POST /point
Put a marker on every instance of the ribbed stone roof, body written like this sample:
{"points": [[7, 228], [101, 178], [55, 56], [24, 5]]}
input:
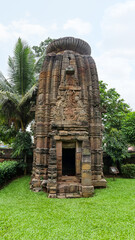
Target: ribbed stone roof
{"points": [[69, 43]]}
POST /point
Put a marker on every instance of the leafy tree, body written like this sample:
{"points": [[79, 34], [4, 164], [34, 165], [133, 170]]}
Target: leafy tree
{"points": [[115, 145], [39, 53], [114, 111], [22, 146], [128, 127], [7, 134], [114, 108]]}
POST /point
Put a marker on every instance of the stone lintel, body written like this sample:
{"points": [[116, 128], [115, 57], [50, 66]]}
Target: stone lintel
{"points": [[57, 138], [70, 138], [73, 133], [82, 138], [67, 126]]}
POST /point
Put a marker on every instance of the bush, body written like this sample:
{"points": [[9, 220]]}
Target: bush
{"points": [[128, 170], [10, 169]]}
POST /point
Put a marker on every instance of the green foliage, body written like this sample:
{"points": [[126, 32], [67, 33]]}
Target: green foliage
{"points": [[115, 107], [109, 215], [114, 111], [7, 134], [22, 144], [115, 145], [21, 68], [128, 127], [128, 170], [9, 169], [18, 94], [40, 52]]}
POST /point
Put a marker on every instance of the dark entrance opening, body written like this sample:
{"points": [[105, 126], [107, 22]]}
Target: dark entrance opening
{"points": [[68, 161]]}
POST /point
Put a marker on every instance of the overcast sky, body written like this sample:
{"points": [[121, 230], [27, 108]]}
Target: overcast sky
{"points": [[107, 25]]}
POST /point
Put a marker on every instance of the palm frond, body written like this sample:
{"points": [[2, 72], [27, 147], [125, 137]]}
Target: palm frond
{"points": [[6, 96], [21, 67], [29, 96], [18, 95], [4, 84]]}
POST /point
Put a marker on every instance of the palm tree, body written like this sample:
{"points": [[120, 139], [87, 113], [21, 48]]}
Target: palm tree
{"points": [[17, 94], [19, 91]]}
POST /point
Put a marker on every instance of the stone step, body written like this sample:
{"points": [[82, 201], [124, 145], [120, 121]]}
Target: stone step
{"points": [[69, 188], [69, 195], [68, 179]]}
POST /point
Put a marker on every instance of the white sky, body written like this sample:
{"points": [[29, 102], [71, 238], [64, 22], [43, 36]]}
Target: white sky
{"points": [[107, 25]]}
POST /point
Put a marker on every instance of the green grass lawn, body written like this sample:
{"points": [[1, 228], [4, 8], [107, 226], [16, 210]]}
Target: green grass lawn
{"points": [[110, 214]]}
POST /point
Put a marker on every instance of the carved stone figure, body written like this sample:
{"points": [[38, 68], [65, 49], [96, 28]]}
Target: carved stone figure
{"points": [[68, 129]]}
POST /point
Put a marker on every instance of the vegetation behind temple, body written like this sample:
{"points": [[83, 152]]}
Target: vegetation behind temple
{"points": [[10, 169], [115, 110]]}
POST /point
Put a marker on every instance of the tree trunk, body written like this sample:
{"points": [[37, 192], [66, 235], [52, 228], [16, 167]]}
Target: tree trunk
{"points": [[25, 161]]}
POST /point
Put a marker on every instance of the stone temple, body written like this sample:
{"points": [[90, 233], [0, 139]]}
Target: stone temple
{"points": [[68, 130]]}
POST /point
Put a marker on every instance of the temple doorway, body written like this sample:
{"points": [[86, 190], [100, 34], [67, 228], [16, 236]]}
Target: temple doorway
{"points": [[68, 161]]}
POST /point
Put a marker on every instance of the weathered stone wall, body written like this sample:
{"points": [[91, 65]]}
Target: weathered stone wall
{"points": [[68, 110]]}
